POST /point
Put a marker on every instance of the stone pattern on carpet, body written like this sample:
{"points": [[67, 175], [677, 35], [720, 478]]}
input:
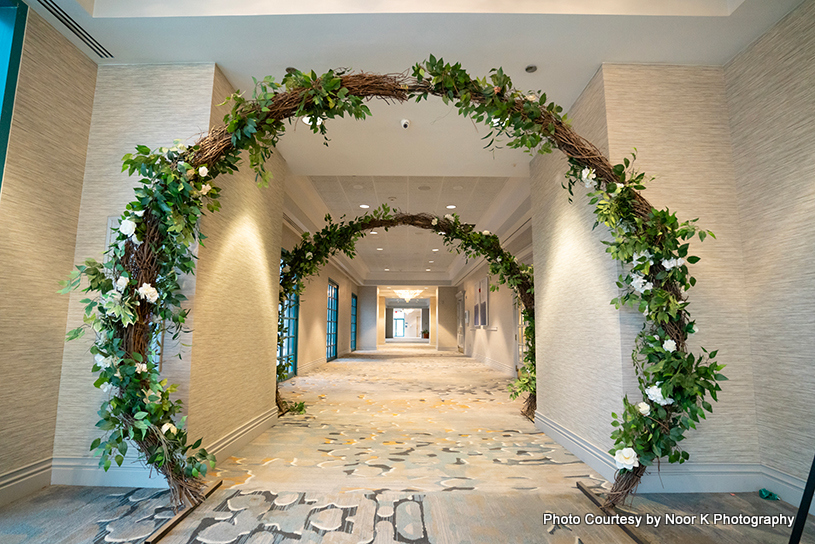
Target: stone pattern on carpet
{"points": [[404, 420]]}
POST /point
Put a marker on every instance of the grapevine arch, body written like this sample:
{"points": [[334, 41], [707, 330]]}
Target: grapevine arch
{"points": [[139, 285]]}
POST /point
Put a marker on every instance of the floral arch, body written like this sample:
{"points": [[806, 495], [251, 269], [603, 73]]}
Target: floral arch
{"points": [[138, 287]]}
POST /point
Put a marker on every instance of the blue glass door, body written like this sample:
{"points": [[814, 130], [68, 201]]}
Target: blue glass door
{"points": [[331, 321]]}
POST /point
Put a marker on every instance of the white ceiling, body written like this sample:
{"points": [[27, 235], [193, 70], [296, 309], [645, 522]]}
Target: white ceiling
{"points": [[185, 8], [567, 48], [568, 40], [408, 251]]}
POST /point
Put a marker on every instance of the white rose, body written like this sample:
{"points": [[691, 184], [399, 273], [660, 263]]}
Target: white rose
{"points": [[655, 395], [640, 284], [499, 259], [203, 172], [121, 283], [668, 264], [531, 97], [485, 232], [127, 227], [168, 427], [626, 458], [141, 367], [448, 217], [644, 408], [669, 345], [643, 256], [139, 213], [588, 177], [435, 221], [206, 188], [106, 387], [102, 362], [147, 291], [309, 255]]}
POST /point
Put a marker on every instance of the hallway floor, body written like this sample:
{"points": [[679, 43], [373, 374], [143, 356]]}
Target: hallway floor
{"points": [[402, 445]]}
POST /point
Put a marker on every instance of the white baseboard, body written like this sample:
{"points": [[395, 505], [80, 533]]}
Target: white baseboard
{"points": [[16, 484], [86, 471], [310, 365], [132, 473], [227, 445], [503, 368], [684, 478]]}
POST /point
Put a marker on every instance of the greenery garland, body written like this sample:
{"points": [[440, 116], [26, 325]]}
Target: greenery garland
{"points": [[140, 296]]}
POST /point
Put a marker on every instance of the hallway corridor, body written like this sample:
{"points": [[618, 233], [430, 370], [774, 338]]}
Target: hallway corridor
{"points": [[404, 444]]}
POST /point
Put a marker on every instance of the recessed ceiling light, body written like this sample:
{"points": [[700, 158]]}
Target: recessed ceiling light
{"points": [[307, 120], [427, 270], [435, 250], [424, 187], [451, 207], [531, 69], [358, 186], [388, 270], [431, 261], [364, 206], [374, 232], [391, 199], [379, 249]]}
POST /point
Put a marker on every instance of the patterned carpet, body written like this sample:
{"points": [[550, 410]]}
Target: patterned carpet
{"points": [[400, 445]]}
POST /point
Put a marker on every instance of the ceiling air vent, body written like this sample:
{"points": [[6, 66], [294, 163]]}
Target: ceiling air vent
{"points": [[74, 27]]}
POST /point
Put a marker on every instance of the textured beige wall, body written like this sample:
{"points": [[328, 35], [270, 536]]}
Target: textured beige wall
{"points": [[39, 209], [232, 376], [149, 105], [771, 99], [380, 321], [312, 313], [579, 360], [313, 307], [366, 338], [677, 118], [494, 345], [447, 326]]}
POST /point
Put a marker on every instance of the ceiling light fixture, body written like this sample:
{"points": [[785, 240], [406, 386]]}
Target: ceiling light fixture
{"points": [[431, 261], [387, 270], [374, 232], [451, 207], [427, 270], [379, 249], [408, 294], [435, 250], [364, 206], [531, 69]]}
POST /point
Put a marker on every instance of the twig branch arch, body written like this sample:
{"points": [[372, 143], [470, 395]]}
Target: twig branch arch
{"points": [[139, 286]]}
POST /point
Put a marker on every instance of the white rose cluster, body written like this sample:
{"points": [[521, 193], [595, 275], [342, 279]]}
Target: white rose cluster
{"points": [[626, 458], [640, 284], [435, 221], [102, 361], [485, 232], [655, 395], [670, 264], [588, 177], [141, 367], [148, 292], [669, 345], [448, 217], [643, 257]]}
